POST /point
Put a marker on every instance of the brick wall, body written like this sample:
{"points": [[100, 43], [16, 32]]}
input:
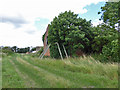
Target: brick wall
{"points": [[45, 43]]}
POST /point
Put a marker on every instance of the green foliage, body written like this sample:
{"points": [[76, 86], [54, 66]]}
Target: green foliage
{"points": [[71, 31], [110, 13], [23, 50], [33, 49], [106, 42], [97, 57], [54, 53], [14, 48], [110, 51], [103, 35], [43, 37], [106, 34], [7, 51]]}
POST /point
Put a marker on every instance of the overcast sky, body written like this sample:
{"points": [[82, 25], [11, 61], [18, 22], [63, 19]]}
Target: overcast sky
{"points": [[23, 22]]}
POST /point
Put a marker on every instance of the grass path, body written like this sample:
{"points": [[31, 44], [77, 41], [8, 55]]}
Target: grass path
{"points": [[73, 74], [10, 78], [53, 79], [27, 72], [28, 81]]}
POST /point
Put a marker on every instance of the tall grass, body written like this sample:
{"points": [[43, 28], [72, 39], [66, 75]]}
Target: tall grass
{"points": [[85, 65], [0, 68], [0, 73], [68, 73]]}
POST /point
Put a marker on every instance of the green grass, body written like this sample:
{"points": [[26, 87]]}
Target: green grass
{"points": [[0, 73], [10, 78], [25, 71]]}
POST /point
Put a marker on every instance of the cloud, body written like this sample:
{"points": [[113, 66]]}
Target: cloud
{"points": [[31, 17], [43, 8], [97, 22], [16, 21], [30, 31], [19, 36]]}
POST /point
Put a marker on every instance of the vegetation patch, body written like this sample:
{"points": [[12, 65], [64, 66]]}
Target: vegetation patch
{"points": [[50, 73]]}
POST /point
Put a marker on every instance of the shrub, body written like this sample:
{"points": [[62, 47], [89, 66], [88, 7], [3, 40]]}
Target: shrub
{"points": [[110, 51], [7, 51]]}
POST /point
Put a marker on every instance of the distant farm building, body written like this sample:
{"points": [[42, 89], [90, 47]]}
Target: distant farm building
{"points": [[38, 48]]}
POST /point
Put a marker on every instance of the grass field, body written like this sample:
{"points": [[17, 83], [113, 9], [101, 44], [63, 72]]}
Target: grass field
{"points": [[23, 71], [0, 69], [0, 72]]}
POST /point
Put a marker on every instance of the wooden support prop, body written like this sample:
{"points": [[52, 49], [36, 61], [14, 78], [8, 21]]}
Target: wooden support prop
{"points": [[45, 51], [59, 50], [41, 54], [65, 51]]}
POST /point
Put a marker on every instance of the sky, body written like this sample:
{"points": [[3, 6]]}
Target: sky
{"points": [[23, 22]]}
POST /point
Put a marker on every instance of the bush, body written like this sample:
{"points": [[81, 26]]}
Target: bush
{"points": [[110, 51], [7, 51]]}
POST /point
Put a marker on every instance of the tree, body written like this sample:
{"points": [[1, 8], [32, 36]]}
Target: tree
{"points": [[14, 48], [23, 50], [107, 34], [103, 35], [7, 50], [33, 49], [71, 31], [110, 13], [110, 51]]}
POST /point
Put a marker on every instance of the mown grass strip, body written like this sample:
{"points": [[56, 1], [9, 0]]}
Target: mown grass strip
{"points": [[96, 80], [53, 80], [10, 78], [53, 73], [27, 81], [33, 74]]}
